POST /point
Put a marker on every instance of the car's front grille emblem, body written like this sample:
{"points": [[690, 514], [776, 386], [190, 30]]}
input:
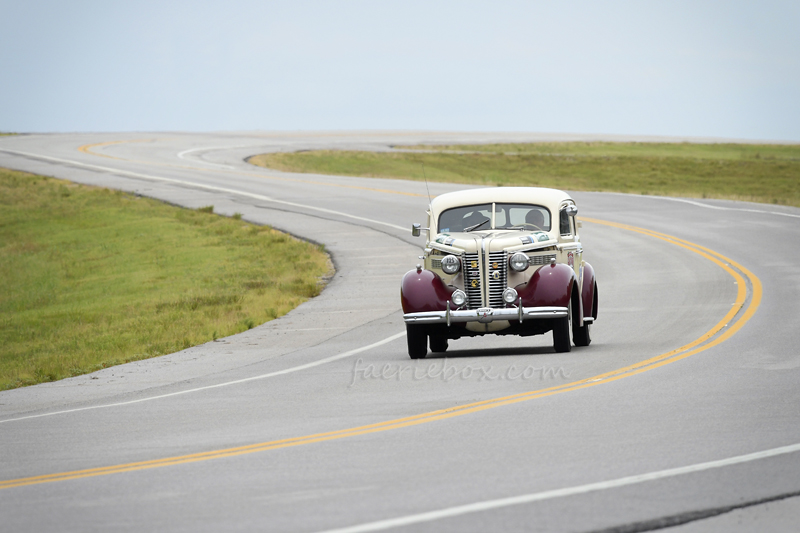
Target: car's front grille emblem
{"points": [[497, 275], [472, 281], [497, 278]]}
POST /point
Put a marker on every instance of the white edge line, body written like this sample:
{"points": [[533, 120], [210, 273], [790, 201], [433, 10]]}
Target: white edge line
{"points": [[190, 150], [209, 148], [718, 207], [206, 187], [459, 510], [225, 384], [217, 165]]}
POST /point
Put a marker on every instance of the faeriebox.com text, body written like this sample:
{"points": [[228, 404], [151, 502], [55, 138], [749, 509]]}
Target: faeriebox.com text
{"points": [[442, 371]]}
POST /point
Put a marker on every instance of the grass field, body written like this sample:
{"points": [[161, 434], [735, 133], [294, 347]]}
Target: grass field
{"points": [[757, 173], [94, 278]]}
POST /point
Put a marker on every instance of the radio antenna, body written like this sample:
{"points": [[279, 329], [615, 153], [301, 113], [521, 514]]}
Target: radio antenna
{"points": [[426, 184]]}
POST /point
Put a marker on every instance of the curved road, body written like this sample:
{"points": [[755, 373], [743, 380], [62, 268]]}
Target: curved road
{"points": [[683, 412]]}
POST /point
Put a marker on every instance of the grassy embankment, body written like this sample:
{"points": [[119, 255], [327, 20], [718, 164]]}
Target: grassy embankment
{"points": [[93, 278], [757, 173]]}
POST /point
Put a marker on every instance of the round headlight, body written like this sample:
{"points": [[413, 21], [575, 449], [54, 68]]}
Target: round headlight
{"points": [[459, 297], [451, 264], [518, 262], [509, 296]]}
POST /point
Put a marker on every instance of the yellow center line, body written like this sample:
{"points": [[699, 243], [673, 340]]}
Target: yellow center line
{"points": [[87, 148], [713, 337]]}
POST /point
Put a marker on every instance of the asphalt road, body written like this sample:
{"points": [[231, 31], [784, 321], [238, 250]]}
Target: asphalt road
{"points": [[684, 409]]}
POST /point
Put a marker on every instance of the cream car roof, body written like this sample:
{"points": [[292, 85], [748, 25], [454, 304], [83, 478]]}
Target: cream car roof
{"points": [[550, 198]]}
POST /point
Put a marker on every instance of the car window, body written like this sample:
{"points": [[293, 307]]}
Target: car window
{"points": [[458, 218], [566, 228], [524, 216]]}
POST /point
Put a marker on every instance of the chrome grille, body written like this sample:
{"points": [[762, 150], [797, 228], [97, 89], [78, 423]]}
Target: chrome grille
{"points": [[541, 259], [472, 280], [498, 272], [436, 263]]}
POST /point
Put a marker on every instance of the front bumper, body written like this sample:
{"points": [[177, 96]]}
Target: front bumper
{"points": [[484, 315]]}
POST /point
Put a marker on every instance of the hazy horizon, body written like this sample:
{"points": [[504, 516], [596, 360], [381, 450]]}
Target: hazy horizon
{"points": [[681, 69]]}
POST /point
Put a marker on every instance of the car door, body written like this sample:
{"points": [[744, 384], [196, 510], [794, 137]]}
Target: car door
{"points": [[569, 246]]}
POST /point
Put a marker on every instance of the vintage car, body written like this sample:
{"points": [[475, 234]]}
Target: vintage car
{"points": [[505, 260]]}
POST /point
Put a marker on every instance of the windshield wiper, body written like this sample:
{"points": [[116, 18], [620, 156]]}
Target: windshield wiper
{"points": [[476, 226], [526, 226]]}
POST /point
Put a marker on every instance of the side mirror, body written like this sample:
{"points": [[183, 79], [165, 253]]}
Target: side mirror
{"points": [[571, 210], [415, 230]]}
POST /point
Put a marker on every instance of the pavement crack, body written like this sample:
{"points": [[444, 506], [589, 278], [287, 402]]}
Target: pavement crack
{"points": [[690, 516]]}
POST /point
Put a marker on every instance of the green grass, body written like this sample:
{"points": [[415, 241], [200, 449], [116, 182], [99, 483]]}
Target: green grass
{"points": [[94, 278], [616, 149], [758, 173]]}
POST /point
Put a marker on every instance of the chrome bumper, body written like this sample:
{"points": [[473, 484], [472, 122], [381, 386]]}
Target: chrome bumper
{"points": [[484, 315]]}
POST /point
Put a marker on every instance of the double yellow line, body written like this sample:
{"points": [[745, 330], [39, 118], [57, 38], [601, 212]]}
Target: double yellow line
{"points": [[741, 311], [87, 148]]}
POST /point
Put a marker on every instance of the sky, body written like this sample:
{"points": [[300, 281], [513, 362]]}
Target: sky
{"points": [[679, 68]]}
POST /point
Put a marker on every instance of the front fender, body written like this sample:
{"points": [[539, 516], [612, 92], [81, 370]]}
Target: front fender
{"points": [[550, 286], [423, 290]]}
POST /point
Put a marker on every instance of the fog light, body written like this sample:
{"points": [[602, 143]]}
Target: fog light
{"points": [[509, 296], [518, 262], [459, 297], [451, 264]]}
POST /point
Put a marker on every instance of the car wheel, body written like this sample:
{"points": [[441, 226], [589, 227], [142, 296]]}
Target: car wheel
{"points": [[438, 344], [417, 341], [561, 341], [581, 335]]}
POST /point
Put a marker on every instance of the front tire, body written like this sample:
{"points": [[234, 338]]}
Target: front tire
{"points": [[417, 340], [561, 341], [581, 335], [438, 344]]}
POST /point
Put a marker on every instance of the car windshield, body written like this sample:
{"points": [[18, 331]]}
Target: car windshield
{"points": [[506, 216]]}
